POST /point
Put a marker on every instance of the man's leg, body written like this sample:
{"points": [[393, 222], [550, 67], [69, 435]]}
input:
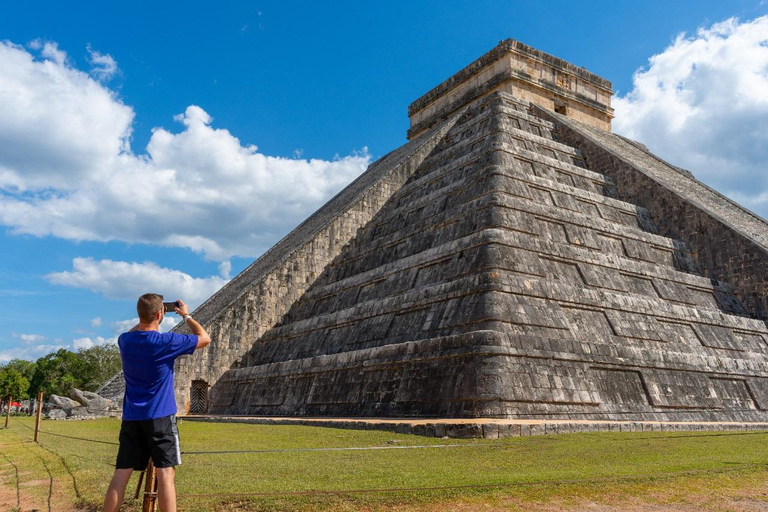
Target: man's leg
{"points": [[166, 489], [116, 490]]}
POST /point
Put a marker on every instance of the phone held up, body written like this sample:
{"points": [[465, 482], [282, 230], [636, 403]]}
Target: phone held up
{"points": [[170, 307]]}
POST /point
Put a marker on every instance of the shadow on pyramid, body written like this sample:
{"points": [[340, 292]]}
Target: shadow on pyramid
{"points": [[514, 260]]}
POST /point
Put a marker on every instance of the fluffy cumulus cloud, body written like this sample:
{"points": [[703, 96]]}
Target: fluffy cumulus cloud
{"points": [[702, 105], [67, 168], [128, 280]]}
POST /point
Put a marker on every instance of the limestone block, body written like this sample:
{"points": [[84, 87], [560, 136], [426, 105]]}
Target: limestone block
{"points": [[67, 404], [94, 403]]}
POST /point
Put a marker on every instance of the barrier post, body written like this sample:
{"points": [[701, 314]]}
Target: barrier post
{"points": [[150, 489], [8, 412], [39, 413], [138, 487]]}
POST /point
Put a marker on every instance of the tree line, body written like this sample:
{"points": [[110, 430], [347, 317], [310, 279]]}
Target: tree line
{"points": [[59, 372]]}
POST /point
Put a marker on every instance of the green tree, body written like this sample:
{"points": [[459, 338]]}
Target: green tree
{"points": [[26, 368], [59, 372], [13, 384], [103, 363]]}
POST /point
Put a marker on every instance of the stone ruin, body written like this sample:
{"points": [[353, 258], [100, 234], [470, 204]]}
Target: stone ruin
{"points": [[515, 259], [82, 405]]}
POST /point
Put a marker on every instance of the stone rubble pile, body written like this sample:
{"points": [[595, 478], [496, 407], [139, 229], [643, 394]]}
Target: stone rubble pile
{"points": [[82, 405]]}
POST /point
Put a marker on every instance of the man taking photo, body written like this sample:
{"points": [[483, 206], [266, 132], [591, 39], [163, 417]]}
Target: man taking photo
{"points": [[149, 408]]}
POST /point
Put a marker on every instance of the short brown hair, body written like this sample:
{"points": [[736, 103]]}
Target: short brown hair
{"points": [[148, 306]]}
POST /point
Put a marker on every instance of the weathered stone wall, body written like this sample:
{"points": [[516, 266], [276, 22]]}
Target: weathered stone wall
{"points": [[257, 298], [729, 242]]}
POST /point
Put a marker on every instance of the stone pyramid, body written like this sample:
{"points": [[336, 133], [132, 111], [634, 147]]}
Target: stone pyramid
{"points": [[514, 260]]}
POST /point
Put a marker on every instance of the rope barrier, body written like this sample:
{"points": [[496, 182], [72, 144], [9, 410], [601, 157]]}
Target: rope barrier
{"points": [[22, 424], [46, 432], [58, 452], [355, 448], [81, 456], [644, 476], [346, 448]]}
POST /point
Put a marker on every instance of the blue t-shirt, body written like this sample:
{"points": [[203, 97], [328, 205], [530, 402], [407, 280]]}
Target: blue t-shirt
{"points": [[148, 358]]}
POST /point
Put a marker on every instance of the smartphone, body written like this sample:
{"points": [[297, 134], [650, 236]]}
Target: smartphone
{"points": [[170, 307]]}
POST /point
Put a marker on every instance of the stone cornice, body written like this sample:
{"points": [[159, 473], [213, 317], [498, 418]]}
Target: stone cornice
{"points": [[508, 46]]}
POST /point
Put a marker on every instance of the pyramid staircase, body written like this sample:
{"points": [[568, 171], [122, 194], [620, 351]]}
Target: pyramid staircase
{"points": [[506, 279]]}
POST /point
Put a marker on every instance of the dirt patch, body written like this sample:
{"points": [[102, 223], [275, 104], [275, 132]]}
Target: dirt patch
{"points": [[34, 483]]}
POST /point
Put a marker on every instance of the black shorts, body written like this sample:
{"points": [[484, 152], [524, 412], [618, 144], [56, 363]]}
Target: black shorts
{"points": [[140, 439]]}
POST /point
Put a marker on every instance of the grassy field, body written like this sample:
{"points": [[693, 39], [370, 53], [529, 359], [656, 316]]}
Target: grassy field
{"points": [[308, 468]]}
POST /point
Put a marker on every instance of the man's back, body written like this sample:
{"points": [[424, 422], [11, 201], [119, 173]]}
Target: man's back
{"points": [[148, 358], [148, 430]]}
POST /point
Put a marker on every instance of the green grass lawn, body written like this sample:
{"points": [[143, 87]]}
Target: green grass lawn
{"points": [[713, 471]]}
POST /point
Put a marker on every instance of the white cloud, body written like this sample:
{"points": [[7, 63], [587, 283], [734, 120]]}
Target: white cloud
{"points": [[122, 326], [702, 105], [103, 66], [225, 267], [96, 322], [67, 168], [169, 322], [87, 342], [29, 339], [30, 353], [50, 50], [125, 280]]}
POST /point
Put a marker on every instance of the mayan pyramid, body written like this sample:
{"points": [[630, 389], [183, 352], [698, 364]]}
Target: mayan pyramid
{"points": [[515, 259]]}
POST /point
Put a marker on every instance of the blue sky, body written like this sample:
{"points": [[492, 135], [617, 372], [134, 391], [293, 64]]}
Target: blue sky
{"points": [[164, 147]]}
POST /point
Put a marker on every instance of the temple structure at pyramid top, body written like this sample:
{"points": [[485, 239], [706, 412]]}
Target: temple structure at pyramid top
{"points": [[525, 73], [514, 259]]}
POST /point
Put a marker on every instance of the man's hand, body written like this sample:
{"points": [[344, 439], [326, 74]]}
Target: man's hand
{"points": [[182, 309], [203, 339]]}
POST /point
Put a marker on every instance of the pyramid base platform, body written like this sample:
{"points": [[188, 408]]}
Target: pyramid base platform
{"points": [[487, 428]]}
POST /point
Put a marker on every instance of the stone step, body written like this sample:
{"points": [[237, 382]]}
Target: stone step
{"points": [[494, 133], [542, 190], [491, 298], [518, 213], [522, 253]]}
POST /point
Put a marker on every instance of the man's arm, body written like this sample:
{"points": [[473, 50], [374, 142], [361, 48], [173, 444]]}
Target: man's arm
{"points": [[203, 339]]}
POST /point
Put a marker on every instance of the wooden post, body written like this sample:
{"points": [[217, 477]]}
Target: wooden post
{"points": [[39, 413], [150, 489], [138, 487], [8, 412]]}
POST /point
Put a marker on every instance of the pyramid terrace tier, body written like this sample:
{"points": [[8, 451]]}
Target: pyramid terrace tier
{"points": [[534, 227], [524, 254], [493, 199], [494, 374], [507, 301], [494, 127]]}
